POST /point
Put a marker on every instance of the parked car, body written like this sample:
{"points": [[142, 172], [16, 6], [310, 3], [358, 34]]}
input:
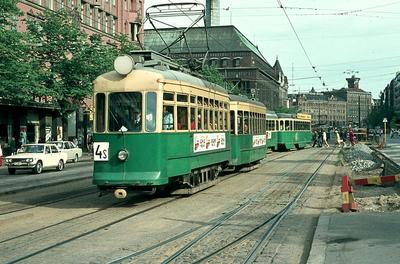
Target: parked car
{"points": [[74, 152], [36, 157]]}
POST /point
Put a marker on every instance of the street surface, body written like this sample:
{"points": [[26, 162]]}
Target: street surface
{"points": [[69, 223]]}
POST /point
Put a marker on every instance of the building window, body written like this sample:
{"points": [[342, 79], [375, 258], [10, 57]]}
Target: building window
{"points": [[224, 62], [106, 24], [236, 62], [214, 62], [90, 16], [99, 22], [134, 31]]}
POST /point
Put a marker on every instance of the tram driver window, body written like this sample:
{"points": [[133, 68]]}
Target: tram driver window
{"points": [[125, 112], [100, 112]]}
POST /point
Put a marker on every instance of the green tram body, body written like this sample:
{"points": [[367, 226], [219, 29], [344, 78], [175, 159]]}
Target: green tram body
{"points": [[167, 153], [248, 138], [271, 130], [288, 131]]}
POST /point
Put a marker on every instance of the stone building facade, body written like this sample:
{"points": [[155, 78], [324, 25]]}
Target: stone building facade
{"points": [[324, 109], [342, 107], [40, 121], [232, 54]]}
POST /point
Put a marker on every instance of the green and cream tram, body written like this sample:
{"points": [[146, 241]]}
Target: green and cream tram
{"points": [[156, 127]]}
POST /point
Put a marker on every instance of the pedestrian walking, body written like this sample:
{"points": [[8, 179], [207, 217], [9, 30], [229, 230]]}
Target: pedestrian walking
{"points": [[352, 137], [13, 146], [315, 138], [339, 141], [324, 138], [320, 138], [1, 155]]}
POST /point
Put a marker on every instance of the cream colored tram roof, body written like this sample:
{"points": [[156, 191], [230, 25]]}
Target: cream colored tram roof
{"points": [[240, 103], [144, 79]]}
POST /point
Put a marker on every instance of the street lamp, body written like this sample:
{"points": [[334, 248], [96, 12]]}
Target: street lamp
{"points": [[384, 130]]}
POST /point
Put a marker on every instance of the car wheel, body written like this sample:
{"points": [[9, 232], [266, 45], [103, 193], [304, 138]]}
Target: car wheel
{"points": [[38, 167], [11, 171], [76, 158], [60, 165]]}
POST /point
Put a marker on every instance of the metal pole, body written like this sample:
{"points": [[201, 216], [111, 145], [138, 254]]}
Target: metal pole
{"points": [[359, 111], [384, 131]]}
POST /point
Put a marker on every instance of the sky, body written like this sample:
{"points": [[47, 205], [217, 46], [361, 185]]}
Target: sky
{"points": [[319, 42]]}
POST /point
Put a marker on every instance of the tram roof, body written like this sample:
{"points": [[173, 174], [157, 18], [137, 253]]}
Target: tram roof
{"points": [[271, 114], [166, 75], [284, 115], [239, 98]]}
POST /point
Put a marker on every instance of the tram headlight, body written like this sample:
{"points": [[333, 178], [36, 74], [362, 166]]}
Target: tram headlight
{"points": [[122, 154], [124, 64]]}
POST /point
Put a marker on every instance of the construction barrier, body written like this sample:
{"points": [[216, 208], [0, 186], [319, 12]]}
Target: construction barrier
{"points": [[377, 180], [349, 203]]}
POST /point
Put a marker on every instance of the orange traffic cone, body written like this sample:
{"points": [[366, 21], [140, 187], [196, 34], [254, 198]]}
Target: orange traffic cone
{"points": [[349, 203]]}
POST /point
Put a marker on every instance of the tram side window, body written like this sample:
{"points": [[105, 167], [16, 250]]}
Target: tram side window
{"points": [[287, 125], [125, 112], [225, 113], [281, 125], [168, 97], [182, 118], [216, 124], [151, 112], [206, 119], [168, 117], [192, 118], [240, 122], [232, 122], [246, 123], [200, 118], [100, 112], [200, 113]]}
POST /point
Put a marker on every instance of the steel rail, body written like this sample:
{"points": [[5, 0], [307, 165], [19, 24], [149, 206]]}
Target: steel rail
{"points": [[215, 222], [37, 252], [275, 219], [67, 197]]}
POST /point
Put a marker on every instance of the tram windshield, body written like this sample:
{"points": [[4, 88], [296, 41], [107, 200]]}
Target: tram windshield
{"points": [[125, 112]]}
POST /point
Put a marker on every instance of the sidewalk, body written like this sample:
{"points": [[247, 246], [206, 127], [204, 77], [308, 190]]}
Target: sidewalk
{"points": [[365, 238], [392, 149]]}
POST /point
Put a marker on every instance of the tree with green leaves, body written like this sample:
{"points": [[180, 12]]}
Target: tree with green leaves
{"points": [[70, 59], [212, 75], [19, 76]]}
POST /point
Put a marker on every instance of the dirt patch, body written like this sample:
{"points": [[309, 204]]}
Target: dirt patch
{"points": [[360, 162]]}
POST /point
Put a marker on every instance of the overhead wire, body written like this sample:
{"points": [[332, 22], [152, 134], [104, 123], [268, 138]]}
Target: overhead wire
{"points": [[301, 44]]}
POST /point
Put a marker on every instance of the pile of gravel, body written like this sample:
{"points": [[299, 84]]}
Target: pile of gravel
{"points": [[360, 158]]}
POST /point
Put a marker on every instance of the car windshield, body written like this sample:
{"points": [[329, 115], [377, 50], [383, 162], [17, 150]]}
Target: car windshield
{"points": [[32, 149], [58, 144]]}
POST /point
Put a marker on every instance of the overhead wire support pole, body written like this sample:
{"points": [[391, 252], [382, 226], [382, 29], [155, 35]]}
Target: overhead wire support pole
{"points": [[301, 44], [182, 9]]}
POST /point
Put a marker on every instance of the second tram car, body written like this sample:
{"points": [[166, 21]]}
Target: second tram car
{"points": [[157, 128], [288, 131]]}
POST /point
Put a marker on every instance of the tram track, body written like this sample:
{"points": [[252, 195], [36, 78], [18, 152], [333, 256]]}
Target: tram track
{"points": [[13, 207], [275, 219], [213, 224], [82, 234], [41, 234]]}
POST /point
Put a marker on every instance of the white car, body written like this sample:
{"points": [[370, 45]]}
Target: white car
{"points": [[74, 153], [36, 157]]}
